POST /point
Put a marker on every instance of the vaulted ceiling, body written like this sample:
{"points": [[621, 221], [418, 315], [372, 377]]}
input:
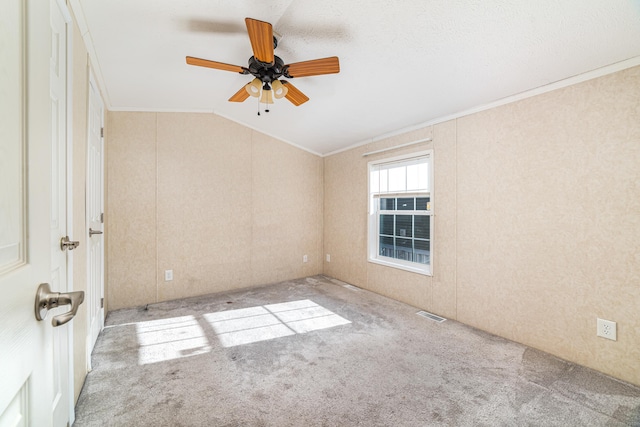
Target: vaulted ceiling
{"points": [[403, 63]]}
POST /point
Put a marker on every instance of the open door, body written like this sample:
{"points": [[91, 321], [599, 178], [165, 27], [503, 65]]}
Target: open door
{"points": [[34, 354]]}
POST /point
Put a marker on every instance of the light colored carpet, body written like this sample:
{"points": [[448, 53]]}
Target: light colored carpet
{"points": [[312, 352]]}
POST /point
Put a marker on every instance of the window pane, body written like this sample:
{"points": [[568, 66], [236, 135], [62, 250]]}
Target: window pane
{"points": [[421, 203], [422, 226], [386, 224], [387, 204], [405, 244], [423, 175], [397, 179], [404, 249], [384, 184], [413, 178], [404, 225], [386, 246], [421, 253], [405, 204]]}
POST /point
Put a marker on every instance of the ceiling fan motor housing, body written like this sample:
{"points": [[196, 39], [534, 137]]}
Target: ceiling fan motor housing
{"points": [[265, 71]]}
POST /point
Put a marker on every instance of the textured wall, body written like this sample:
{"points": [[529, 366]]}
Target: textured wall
{"points": [[131, 227], [222, 206], [548, 224], [537, 230]]}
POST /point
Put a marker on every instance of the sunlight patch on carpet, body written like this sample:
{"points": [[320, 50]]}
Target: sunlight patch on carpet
{"points": [[167, 339], [249, 325]]}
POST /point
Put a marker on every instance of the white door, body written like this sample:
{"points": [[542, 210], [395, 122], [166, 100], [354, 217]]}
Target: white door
{"points": [[95, 218], [33, 355]]}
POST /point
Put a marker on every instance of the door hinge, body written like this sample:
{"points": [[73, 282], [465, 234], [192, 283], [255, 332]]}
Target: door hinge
{"points": [[101, 132], [102, 218], [101, 302]]}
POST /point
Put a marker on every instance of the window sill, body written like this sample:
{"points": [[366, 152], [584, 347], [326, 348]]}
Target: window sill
{"points": [[425, 271]]}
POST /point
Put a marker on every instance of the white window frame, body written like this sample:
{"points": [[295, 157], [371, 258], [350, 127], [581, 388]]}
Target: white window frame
{"points": [[374, 216]]}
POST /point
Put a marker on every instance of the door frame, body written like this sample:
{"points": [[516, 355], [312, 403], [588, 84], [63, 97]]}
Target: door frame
{"points": [[92, 83], [67, 45], [66, 14]]}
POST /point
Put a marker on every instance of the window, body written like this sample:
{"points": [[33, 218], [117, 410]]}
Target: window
{"points": [[400, 212]]}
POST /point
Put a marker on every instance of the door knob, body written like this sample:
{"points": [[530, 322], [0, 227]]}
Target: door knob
{"points": [[92, 232], [46, 300], [65, 244]]}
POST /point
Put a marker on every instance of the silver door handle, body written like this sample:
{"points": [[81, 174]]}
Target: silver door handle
{"points": [[65, 244], [46, 300], [92, 232]]}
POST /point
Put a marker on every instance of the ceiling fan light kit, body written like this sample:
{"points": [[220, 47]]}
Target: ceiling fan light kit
{"points": [[279, 90], [267, 96], [267, 68], [254, 87]]}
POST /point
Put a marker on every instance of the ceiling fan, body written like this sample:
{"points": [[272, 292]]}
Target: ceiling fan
{"points": [[267, 68]]}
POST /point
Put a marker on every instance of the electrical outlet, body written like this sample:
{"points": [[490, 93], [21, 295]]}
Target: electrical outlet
{"points": [[305, 258], [328, 258], [168, 275], [607, 329]]}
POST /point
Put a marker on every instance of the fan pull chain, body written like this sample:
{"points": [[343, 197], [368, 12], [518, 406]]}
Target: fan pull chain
{"points": [[266, 107]]}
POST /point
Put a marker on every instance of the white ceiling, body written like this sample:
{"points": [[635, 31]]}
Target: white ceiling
{"points": [[403, 63]]}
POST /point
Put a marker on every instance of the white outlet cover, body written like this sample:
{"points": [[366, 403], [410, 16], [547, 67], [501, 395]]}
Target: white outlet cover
{"points": [[168, 275], [328, 258], [607, 329], [305, 258]]}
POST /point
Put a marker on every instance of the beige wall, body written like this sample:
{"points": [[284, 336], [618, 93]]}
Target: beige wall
{"points": [[221, 205], [537, 230]]}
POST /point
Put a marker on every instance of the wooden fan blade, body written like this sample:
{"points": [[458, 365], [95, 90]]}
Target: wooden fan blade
{"points": [[294, 95], [261, 36], [240, 95], [213, 64], [314, 67]]}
